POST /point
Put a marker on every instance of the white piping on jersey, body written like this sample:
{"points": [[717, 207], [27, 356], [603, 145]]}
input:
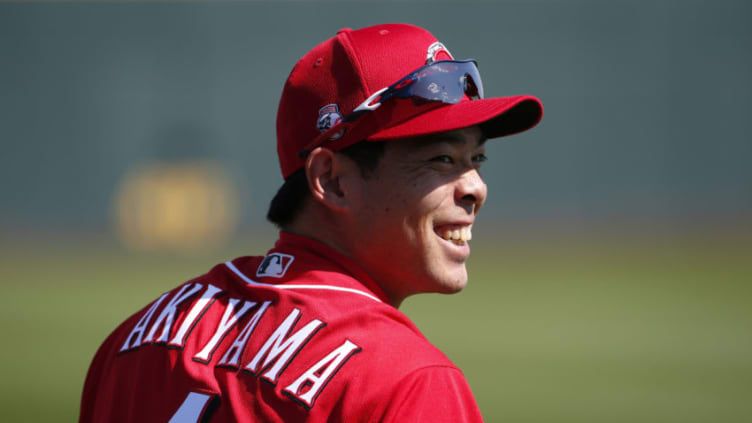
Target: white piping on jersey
{"points": [[269, 285]]}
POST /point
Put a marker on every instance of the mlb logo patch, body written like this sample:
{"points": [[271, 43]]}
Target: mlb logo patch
{"points": [[274, 265]]}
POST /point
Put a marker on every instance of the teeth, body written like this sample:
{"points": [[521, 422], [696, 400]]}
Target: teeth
{"points": [[458, 235]]}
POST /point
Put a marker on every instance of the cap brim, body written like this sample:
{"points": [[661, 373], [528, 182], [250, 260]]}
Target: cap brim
{"points": [[498, 117]]}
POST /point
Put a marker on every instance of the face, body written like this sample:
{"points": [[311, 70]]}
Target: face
{"points": [[412, 217]]}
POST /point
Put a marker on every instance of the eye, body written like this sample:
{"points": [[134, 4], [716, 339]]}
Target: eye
{"points": [[442, 159], [480, 158]]}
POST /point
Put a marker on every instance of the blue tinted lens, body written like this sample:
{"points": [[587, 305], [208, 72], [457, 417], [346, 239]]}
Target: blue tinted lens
{"points": [[444, 81]]}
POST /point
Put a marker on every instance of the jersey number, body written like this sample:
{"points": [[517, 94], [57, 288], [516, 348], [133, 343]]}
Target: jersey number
{"points": [[197, 407]]}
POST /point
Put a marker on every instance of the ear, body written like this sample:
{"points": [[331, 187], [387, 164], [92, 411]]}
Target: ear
{"points": [[326, 172]]}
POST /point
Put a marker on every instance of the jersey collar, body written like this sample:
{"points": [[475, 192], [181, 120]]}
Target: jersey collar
{"points": [[330, 260]]}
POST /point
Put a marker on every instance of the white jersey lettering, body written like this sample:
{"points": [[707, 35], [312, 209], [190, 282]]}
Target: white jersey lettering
{"points": [[283, 351], [203, 303], [167, 316], [140, 328], [229, 319], [233, 354], [308, 386]]}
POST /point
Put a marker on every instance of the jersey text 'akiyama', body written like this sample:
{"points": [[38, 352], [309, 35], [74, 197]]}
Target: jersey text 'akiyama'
{"points": [[268, 362]]}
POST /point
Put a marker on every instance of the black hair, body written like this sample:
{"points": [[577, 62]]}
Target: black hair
{"points": [[290, 197]]}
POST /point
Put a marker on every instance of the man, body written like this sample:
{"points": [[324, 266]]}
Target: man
{"points": [[380, 137]]}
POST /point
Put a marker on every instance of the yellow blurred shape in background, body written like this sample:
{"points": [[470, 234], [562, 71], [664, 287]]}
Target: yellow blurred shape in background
{"points": [[175, 206]]}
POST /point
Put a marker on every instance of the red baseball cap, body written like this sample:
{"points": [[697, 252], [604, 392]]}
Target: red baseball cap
{"points": [[342, 72]]}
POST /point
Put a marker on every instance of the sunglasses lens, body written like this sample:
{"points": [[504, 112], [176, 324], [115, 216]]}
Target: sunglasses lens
{"points": [[473, 90], [446, 82]]}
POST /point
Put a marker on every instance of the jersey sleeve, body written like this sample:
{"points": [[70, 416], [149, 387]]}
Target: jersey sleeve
{"points": [[433, 394]]}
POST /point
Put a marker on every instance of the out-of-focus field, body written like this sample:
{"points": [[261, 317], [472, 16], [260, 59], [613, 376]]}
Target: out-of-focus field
{"points": [[599, 328]]}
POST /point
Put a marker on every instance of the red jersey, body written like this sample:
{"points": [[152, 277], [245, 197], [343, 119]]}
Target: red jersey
{"points": [[302, 334]]}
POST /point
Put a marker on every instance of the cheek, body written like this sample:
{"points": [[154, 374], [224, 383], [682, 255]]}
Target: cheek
{"points": [[419, 208], [382, 212], [407, 207], [438, 199]]}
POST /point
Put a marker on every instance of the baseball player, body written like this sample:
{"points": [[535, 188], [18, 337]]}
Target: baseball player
{"points": [[380, 137]]}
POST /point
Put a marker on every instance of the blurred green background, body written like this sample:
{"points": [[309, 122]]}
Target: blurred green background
{"points": [[610, 276]]}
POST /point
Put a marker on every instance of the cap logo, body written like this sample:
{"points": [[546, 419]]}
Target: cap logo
{"points": [[274, 265], [436, 52], [329, 116]]}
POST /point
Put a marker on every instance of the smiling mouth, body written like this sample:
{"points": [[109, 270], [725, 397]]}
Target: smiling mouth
{"points": [[458, 234]]}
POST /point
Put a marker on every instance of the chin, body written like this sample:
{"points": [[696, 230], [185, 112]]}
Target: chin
{"points": [[451, 282], [457, 287]]}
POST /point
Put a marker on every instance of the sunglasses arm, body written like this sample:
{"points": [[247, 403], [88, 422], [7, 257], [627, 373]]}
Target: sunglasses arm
{"points": [[367, 106]]}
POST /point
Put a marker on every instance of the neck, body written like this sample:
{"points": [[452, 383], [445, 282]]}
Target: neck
{"points": [[318, 225], [331, 231]]}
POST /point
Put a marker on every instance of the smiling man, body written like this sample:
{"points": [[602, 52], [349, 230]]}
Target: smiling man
{"points": [[380, 136], [407, 223]]}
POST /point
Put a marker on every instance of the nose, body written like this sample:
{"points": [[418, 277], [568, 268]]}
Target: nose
{"points": [[471, 191]]}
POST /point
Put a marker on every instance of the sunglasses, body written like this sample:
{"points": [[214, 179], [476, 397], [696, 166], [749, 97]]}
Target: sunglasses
{"points": [[445, 81], [441, 82]]}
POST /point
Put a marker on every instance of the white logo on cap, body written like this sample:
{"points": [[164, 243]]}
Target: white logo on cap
{"points": [[329, 116], [434, 50]]}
